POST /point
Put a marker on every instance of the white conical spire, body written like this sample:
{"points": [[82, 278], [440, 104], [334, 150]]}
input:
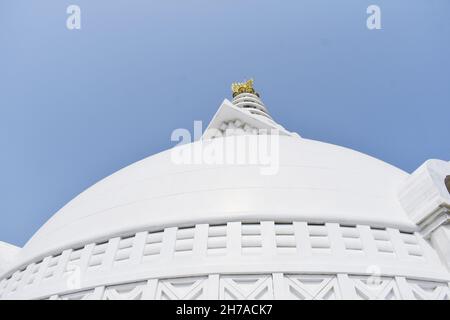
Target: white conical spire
{"points": [[245, 114], [252, 103], [245, 97]]}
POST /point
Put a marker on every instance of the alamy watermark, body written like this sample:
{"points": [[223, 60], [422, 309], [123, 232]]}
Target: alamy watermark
{"points": [[73, 21], [73, 280], [259, 148], [374, 20]]}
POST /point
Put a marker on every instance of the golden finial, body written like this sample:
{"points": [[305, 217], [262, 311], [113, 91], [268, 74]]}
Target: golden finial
{"points": [[243, 87]]}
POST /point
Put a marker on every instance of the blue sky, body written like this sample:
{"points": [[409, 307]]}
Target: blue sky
{"points": [[77, 105]]}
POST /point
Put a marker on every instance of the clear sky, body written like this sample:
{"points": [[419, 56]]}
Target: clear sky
{"points": [[77, 105]]}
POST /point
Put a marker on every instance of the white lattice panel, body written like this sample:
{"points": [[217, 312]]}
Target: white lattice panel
{"points": [[269, 286], [254, 246]]}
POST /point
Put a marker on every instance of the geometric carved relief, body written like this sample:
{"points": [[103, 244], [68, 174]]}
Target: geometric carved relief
{"points": [[263, 286], [182, 288], [427, 290], [312, 287], [129, 291], [376, 288], [243, 287]]}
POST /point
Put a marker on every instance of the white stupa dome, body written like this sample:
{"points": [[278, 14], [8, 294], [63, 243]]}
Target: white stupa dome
{"points": [[8, 254], [320, 222]]}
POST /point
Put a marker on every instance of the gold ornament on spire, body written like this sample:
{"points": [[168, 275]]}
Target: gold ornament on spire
{"points": [[243, 87]]}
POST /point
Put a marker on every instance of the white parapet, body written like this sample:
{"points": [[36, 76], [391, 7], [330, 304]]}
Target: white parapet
{"points": [[425, 196], [440, 240]]}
